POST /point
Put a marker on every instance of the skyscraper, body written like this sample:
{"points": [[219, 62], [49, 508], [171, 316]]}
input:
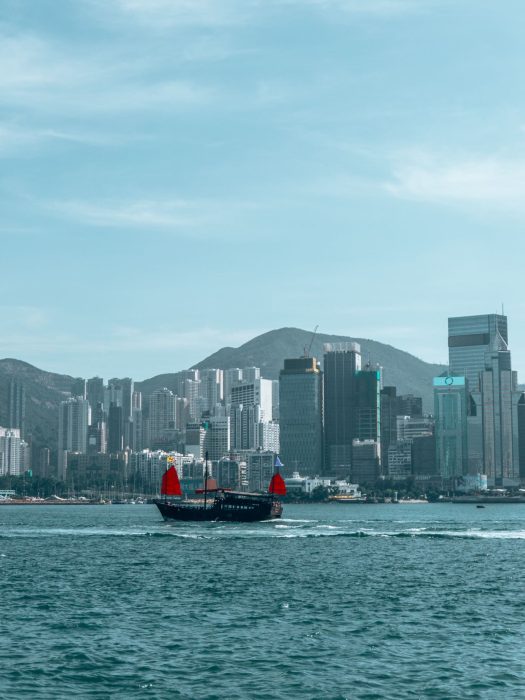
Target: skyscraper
{"points": [[301, 415], [478, 349], [450, 412], [73, 421], [16, 406], [470, 338], [342, 362], [162, 413]]}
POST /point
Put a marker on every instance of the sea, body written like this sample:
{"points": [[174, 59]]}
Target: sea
{"points": [[333, 601]]}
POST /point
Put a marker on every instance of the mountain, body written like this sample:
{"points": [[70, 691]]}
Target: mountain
{"points": [[269, 350], [45, 390]]}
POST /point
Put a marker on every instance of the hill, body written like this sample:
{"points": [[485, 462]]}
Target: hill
{"points": [[45, 390], [268, 351]]}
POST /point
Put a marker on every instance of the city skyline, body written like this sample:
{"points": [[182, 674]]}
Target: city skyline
{"points": [[152, 151]]}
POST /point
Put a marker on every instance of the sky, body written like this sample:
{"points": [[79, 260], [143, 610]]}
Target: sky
{"points": [[181, 175]]}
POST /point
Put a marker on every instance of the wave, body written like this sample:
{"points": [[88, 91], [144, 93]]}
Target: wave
{"points": [[282, 530]]}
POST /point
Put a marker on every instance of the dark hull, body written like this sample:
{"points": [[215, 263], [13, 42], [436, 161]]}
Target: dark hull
{"points": [[243, 511]]}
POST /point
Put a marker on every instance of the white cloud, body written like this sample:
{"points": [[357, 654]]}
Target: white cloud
{"points": [[136, 214], [366, 7], [48, 78], [203, 217], [169, 13], [484, 181]]}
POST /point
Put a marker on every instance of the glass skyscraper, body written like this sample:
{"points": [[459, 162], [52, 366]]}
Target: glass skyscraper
{"points": [[450, 412], [478, 350], [301, 416], [470, 338], [342, 362]]}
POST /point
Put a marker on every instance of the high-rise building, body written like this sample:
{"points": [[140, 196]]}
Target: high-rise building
{"points": [[342, 362], [424, 456], [410, 427], [217, 440], [450, 414], [231, 377], [115, 429], [478, 349], [470, 338], [16, 406], [162, 414], [210, 388], [400, 459], [260, 469], [11, 452], [365, 461], [301, 416], [73, 421], [79, 388], [389, 413], [95, 391], [409, 405], [368, 404], [257, 392]]}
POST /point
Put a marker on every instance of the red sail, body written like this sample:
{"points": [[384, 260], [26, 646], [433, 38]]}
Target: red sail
{"points": [[277, 485], [171, 483]]}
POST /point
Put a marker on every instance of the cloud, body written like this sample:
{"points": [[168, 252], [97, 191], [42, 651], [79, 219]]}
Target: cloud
{"points": [[201, 216], [137, 214], [484, 181], [15, 138], [366, 7], [50, 78], [183, 13]]}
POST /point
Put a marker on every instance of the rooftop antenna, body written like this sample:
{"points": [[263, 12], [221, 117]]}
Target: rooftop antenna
{"points": [[307, 349]]}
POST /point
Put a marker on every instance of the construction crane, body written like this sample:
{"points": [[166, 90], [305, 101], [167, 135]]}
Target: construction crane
{"points": [[307, 349]]}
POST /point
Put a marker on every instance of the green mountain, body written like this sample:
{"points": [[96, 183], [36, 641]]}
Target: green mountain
{"points": [[269, 350], [45, 390]]}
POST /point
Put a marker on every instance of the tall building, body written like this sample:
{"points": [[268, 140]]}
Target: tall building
{"points": [[470, 338], [478, 350], [257, 392], [73, 422], [210, 388], [389, 413], [115, 429], [301, 416], [16, 406], [231, 377], [162, 413], [450, 414], [95, 391], [11, 452], [409, 405], [217, 440], [368, 405], [410, 427], [79, 388], [365, 461], [342, 362]]}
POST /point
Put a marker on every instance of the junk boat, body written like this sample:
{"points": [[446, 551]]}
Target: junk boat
{"points": [[224, 504]]}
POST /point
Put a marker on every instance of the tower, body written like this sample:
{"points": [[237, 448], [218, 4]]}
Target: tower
{"points": [[301, 415]]}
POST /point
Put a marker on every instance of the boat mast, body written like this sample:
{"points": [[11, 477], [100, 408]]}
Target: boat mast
{"points": [[205, 478]]}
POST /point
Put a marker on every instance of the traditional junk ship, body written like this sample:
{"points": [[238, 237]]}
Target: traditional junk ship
{"points": [[219, 504]]}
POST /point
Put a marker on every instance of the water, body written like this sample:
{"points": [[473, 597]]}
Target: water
{"points": [[334, 601]]}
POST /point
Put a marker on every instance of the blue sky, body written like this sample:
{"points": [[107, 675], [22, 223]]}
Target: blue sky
{"points": [[179, 175]]}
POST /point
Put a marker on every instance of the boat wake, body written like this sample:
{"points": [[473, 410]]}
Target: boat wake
{"points": [[286, 528]]}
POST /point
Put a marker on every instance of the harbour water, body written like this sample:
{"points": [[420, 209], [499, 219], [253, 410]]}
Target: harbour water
{"points": [[334, 601]]}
